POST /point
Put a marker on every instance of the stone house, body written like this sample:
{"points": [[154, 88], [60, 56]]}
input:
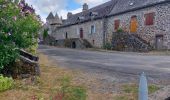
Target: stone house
{"points": [[147, 20]]}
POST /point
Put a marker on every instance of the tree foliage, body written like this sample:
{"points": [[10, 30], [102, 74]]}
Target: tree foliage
{"points": [[18, 30]]}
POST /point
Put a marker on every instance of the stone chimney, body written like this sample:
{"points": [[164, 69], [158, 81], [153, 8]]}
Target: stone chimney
{"points": [[69, 15], [85, 7]]}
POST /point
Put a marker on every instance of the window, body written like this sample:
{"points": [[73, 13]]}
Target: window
{"points": [[92, 29], [66, 35], [78, 31], [93, 42], [117, 24], [149, 18]]}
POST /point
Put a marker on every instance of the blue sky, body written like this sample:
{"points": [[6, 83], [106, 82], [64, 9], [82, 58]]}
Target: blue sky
{"points": [[73, 5], [62, 7]]}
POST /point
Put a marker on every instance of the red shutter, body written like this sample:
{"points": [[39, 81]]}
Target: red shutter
{"points": [[149, 19], [117, 24]]}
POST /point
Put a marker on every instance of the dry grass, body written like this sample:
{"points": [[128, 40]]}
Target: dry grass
{"points": [[45, 87], [130, 91]]}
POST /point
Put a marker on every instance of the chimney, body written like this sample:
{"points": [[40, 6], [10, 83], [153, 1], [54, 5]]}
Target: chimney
{"points": [[85, 7], [69, 15]]}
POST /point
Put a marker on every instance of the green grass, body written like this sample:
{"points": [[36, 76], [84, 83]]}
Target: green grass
{"points": [[153, 88], [76, 93], [72, 92], [130, 91], [134, 88], [120, 98]]}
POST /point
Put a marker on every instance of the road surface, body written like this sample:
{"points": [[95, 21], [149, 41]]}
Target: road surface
{"points": [[121, 66]]}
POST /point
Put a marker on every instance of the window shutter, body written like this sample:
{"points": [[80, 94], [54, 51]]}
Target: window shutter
{"points": [[117, 24], [149, 19]]}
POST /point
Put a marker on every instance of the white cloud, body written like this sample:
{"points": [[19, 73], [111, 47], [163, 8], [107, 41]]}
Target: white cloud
{"points": [[44, 7], [91, 3]]}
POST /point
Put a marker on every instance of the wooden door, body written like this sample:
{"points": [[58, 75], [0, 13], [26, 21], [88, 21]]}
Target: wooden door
{"points": [[159, 42], [81, 32], [133, 24]]}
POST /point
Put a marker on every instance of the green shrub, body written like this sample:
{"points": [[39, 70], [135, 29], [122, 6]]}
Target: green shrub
{"points": [[16, 32], [45, 33], [5, 83], [108, 46], [120, 30]]}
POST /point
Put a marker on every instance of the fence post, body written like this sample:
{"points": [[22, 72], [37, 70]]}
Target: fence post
{"points": [[143, 87]]}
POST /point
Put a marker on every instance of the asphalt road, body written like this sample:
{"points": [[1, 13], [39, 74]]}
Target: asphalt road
{"points": [[120, 65]]}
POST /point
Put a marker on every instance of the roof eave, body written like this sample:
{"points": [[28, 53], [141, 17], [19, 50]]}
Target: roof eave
{"points": [[82, 21]]}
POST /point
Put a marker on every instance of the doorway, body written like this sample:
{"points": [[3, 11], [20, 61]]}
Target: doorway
{"points": [[74, 44], [133, 24], [81, 33], [66, 35], [159, 42]]}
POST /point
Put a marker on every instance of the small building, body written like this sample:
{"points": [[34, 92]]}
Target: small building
{"points": [[146, 20]]}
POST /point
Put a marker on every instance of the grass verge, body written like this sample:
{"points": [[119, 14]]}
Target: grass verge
{"points": [[130, 92], [53, 84]]}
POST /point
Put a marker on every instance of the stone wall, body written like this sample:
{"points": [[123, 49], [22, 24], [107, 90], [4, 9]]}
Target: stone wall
{"points": [[96, 39], [161, 24]]}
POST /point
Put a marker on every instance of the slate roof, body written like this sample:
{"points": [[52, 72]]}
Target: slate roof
{"points": [[56, 16], [101, 11], [110, 8], [57, 19], [50, 16], [123, 6]]}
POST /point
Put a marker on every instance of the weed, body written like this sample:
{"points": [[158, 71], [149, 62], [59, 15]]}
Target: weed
{"points": [[120, 98], [153, 88], [130, 91], [132, 88], [5, 83]]}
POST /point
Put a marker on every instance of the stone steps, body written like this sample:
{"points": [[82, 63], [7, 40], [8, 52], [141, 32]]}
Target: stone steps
{"points": [[129, 42]]}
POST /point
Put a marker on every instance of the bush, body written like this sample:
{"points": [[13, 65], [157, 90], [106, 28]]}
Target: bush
{"points": [[5, 83], [18, 30], [45, 33], [120, 30], [108, 46]]}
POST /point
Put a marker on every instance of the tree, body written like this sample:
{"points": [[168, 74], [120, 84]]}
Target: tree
{"points": [[18, 30]]}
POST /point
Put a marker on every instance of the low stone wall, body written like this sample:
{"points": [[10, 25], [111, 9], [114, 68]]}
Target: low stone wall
{"points": [[73, 43], [25, 68], [122, 41]]}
